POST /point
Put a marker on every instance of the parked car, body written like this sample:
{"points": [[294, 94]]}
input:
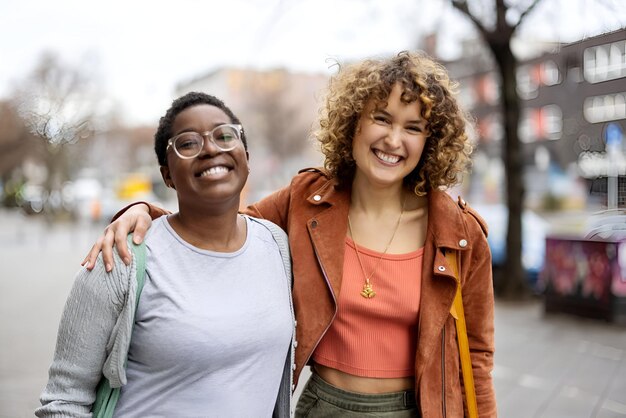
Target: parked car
{"points": [[607, 225], [534, 231]]}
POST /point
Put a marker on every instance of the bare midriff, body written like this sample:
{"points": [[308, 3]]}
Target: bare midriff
{"points": [[360, 384]]}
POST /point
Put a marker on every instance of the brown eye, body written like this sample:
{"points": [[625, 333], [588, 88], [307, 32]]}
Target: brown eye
{"points": [[380, 119], [188, 144], [188, 141]]}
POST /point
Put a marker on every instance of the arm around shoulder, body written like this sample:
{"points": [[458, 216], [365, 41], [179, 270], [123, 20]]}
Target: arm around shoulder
{"points": [[274, 208], [153, 210]]}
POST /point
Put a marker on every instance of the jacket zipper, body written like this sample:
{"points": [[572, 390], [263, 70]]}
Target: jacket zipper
{"points": [[319, 262], [443, 370]]}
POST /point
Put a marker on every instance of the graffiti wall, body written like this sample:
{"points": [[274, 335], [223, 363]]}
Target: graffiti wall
{"points": [[584, 277]]}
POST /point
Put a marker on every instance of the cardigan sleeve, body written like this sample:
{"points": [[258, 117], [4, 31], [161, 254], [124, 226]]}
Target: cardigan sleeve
{"points": [[89, 317]]}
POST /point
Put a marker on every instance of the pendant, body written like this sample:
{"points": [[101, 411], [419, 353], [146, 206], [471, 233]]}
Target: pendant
{"points": [[368, 291]]}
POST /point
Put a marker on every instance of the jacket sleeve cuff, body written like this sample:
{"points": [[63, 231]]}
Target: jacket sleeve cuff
{"points": [[153, 211]]}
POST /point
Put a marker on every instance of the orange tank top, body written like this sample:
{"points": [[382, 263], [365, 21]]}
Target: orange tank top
{"points": [[375, 337]]}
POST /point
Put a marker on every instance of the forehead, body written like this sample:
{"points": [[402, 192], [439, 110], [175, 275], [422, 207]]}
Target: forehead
{"points": [[396, 101], [201, 116]]}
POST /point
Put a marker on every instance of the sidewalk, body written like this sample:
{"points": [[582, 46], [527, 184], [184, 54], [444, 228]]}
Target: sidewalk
{"points": [[553, 366]]}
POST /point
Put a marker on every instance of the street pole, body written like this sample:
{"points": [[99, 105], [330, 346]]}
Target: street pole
{"points": [[613, 137]]}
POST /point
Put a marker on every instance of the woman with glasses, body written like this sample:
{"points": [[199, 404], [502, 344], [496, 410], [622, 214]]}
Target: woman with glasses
{"points": [[369, 236], [213, 329]]}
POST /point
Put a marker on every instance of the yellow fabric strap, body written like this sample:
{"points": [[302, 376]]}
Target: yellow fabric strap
{"points": [[461, 335]]}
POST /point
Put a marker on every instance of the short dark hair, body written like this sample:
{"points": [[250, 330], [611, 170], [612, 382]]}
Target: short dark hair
{"points": [[164, 131]]}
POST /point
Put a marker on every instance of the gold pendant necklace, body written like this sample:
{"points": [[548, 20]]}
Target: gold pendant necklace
{"points": [[368, 289]]}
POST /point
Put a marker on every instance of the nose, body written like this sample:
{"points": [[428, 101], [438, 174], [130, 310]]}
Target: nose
{"points": [[394, 137], [209, 147]]}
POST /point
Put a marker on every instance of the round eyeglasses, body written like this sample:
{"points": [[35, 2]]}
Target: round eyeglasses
{"points": [[189, 144]]}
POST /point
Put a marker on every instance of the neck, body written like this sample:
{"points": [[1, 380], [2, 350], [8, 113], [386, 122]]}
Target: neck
{"points": [[372, 201], [223, 231]]}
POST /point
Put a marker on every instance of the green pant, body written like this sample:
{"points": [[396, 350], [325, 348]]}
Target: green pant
{"points": [[320, 399]]}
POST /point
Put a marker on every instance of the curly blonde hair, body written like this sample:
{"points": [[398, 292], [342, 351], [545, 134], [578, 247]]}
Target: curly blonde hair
{"points": [[447, 150]]}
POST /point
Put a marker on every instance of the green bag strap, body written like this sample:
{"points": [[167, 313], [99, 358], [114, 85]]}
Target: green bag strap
{"points": [[106, 396], [139, 251]]}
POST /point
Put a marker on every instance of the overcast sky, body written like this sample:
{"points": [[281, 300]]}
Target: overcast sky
{"points": [[140, 49]]}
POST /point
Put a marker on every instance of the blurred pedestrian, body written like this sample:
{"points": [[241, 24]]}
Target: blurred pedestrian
{"points": [[369, 233], [212, 332]]}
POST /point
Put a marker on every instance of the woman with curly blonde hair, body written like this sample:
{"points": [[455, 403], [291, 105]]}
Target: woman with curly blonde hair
{"points": [[446, 153], [373, 289]]}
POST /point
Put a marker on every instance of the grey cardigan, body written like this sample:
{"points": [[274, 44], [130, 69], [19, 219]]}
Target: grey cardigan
{"points": [[95, 331]]}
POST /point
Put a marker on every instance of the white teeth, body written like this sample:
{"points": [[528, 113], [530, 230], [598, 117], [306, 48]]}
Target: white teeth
{"points": [[214, 170], [388, 158]]}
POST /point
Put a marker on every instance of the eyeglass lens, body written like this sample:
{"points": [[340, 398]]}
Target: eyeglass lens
{"points": [[189, 144]]}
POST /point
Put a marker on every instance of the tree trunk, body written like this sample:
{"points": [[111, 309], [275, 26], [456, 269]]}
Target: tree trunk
{"points": [[511, 281]]}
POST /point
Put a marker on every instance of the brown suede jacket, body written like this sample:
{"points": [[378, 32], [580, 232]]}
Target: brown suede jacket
{"points": [[314, 214]]}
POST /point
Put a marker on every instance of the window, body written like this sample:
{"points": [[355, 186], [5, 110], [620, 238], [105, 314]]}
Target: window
{"points": [[605, 108], [550, 74], [605, 62], [551, 122], [527, 85], [542, 123]]}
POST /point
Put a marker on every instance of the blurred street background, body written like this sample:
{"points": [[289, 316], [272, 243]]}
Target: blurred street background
{"points": [[82, 87]]}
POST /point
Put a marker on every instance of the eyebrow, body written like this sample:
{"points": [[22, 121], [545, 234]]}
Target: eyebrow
{"points": [[416, 121], [182, 131]]}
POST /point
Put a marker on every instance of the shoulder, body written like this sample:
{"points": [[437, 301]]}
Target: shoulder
{"points": [[116, 280], [279, 237], [303, 184], [471, 216], [311, 178], [271, 227], [457, 212], [103, 290], [316, 171], [316, 186]]}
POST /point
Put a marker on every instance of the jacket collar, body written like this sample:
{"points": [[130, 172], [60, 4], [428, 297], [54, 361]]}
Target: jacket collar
{"points": [[445, 222], [328, 194]]}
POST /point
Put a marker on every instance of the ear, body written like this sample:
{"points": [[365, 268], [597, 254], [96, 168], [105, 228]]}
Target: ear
{"points": [[165, 174]]}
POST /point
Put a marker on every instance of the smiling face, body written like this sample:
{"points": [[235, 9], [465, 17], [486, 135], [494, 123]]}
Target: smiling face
{"points": [[214, 176], [389, 141]]}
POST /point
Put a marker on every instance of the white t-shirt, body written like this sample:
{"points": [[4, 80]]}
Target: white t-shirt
{"points": [[212, 330]]}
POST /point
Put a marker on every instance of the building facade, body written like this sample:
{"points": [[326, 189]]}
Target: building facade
{"points": [[573, 102]]}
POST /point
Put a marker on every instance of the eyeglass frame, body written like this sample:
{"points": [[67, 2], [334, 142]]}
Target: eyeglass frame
{"points": [[204, 135]]}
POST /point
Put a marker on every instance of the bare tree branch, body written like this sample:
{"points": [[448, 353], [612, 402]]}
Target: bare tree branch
{"points": [[463, 7], [526, 13]]}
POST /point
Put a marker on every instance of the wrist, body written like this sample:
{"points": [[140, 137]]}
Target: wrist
{"points": [[147, 209]]}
